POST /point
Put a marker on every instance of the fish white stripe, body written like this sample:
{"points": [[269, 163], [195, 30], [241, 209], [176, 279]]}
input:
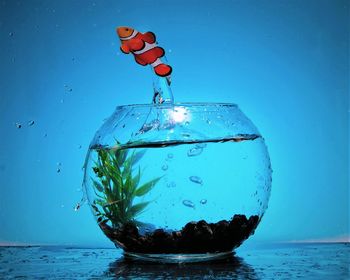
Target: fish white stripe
{"points": [[156, 63], [146, 48], [134, 33]]}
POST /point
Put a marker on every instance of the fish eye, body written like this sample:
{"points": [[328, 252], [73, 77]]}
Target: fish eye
{"points": [[127, 29]]}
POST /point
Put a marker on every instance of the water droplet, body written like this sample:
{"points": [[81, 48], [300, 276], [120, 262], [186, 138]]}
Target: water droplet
{"points": [[188, 203], [18, 125], [67, 88], [77, 207], [80, 204], [196, 180], [30, 123], [203, 201], [170, 155], [194, 152], [171, 185], [165, 167]]}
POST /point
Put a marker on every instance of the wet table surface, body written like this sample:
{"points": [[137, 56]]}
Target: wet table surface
{"points": [[282, 261]]}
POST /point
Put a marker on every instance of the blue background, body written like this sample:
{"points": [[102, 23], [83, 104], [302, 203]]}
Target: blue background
{"points": [[285, 63]]}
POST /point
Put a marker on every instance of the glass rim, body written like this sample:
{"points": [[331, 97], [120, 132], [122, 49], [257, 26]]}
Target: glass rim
{"points": [[183, 104]]}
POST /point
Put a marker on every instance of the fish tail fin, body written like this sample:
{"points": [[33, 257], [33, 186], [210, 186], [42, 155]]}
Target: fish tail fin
{"points": [[163, 70]]}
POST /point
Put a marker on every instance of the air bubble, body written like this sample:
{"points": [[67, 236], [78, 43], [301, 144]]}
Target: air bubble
{"points": [[31, 123], [165, 167], [188, 203], [208, 121], [203, 201], [170, 155], [201, 145], [196, 180], [194, 152], [18, 125], [171, 185]]}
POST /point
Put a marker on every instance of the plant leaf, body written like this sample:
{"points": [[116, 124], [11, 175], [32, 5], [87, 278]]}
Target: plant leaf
{"points": [[145, 188], [120, 156], [136, 180], [137, 208], [97, 185], [100, 202], [138, 156]]}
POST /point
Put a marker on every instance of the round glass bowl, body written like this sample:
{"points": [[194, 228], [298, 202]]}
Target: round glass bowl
{"points": [[178, 183]]}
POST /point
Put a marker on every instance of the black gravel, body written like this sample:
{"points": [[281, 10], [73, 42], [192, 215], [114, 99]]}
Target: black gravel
{"points": [[194, 237]]}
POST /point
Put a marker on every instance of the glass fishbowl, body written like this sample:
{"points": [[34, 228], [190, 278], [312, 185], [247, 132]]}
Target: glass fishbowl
{"points": [[180, 182]]}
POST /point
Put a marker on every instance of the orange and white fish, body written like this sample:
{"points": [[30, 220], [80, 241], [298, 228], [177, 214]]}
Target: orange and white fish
{"points": [[145, 49]]}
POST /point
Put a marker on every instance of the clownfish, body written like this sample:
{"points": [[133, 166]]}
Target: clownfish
{"points": [[145, 50]]}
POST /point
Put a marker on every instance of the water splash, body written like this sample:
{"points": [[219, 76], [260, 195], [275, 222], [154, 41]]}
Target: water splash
{"points": [[162, 92]]}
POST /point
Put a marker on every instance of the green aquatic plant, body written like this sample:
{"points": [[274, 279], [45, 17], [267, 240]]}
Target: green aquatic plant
{"points": [[117, 186]]}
